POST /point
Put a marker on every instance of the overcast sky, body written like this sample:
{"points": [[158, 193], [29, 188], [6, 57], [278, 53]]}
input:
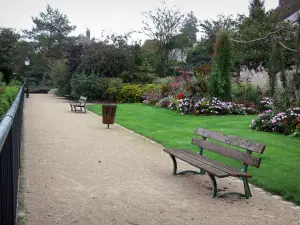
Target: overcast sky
{"points": [[113, 15]]}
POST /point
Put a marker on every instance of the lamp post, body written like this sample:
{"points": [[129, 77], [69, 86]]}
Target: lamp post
{"points": [[27, 63]]}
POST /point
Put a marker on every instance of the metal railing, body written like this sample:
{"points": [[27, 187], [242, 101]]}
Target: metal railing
{"points": [[10, 147]]}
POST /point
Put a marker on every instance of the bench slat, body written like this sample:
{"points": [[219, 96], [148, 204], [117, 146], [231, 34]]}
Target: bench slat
{"points": [[83, 98], [229, 152], [186, 158], [232, 140], [232, 171]]}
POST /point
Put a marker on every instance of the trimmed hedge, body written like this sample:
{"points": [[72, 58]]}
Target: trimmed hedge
{"points": [[7, 97]]}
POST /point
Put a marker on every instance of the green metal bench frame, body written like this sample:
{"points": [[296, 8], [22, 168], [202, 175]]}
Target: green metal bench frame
{"points": [[247, 159]]}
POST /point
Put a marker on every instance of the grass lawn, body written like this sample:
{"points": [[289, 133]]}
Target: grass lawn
{"points": [[280, 167]]}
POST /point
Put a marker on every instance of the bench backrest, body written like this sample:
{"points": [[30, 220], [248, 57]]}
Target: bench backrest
{"points": [[244, 157], [82, 100]]}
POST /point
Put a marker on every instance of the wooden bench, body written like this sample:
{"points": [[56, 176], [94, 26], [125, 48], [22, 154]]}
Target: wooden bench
{"points": [[79, 104], [214, 168]]}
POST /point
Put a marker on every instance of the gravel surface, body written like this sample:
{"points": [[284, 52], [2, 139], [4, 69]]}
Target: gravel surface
{"points": [[79, 172]]}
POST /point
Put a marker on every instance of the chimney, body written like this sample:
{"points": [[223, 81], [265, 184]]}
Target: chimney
{"points": [[88, 33]]}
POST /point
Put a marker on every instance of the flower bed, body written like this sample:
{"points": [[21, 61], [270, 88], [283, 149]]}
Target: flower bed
{"points": [[211, 106], [283, 122]]}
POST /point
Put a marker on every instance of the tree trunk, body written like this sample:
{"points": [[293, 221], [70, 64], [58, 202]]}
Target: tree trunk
{"points": [[166, 62]]}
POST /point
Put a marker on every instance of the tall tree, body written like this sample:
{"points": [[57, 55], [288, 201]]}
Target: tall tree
{"points": [[220, 78], [259, 23], [50, 32], [210, 29], [8, 52], [257, 9], [190, 28], [163, 25]]}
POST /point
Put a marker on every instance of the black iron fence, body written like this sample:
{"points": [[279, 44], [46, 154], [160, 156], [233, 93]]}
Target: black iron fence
{"points": [[10, 147]]}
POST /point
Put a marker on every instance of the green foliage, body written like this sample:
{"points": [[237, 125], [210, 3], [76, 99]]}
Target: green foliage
{"points": [[90, 86], [163, 25], [296, 79], [8, 52], [148, 88], [7, 97], [190, 28], [243, 92], [112, 87], [258, 24], [15, 83], [60, 77], [54, 91], [263, 122], [204, 50], [130, 93], [50, 32], [2, 83], [165, 102], [220, 78]]}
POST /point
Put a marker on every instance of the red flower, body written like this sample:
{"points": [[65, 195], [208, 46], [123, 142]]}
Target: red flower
{"points": [[180, 96]]}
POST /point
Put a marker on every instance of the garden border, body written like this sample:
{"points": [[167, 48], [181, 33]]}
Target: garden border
{"points": [[267, 194]]}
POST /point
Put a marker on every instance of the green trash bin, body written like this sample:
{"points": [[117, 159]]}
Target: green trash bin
{"points": [[108, 114]]}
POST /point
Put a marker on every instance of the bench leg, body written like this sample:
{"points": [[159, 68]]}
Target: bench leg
{"points": [[84, 110], [214, 185], [71, 107], [247, 188], [174, 165]]}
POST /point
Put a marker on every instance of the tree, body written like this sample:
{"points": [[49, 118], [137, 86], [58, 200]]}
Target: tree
{"points": [[50, 32], [109, 57], [8, 52], [163, 25], [254, 55], [220, 78], [209, 30], [257, 9], [190, 28], [60, 76]]}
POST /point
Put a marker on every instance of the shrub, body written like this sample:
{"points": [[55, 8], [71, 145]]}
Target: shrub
{"points": [[211, 106], [165, 102], [4, 106], [286, 122], [242, 92], [53, 91], [10, 93], [283, 122], [90, 86], [130, 93], [7, 97], [60, 76], [263, 121], [266, 104], [148, 88], [186, 105], [173, 104], [112, 87], [164, 81], [165, 84], [15, 83]]}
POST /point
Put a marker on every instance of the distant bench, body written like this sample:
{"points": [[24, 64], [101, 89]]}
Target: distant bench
{"points": [[214, 168], [79, 104]]}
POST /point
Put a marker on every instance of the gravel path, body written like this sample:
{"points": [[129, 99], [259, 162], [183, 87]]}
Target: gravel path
{"points": [[79, 172]]}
